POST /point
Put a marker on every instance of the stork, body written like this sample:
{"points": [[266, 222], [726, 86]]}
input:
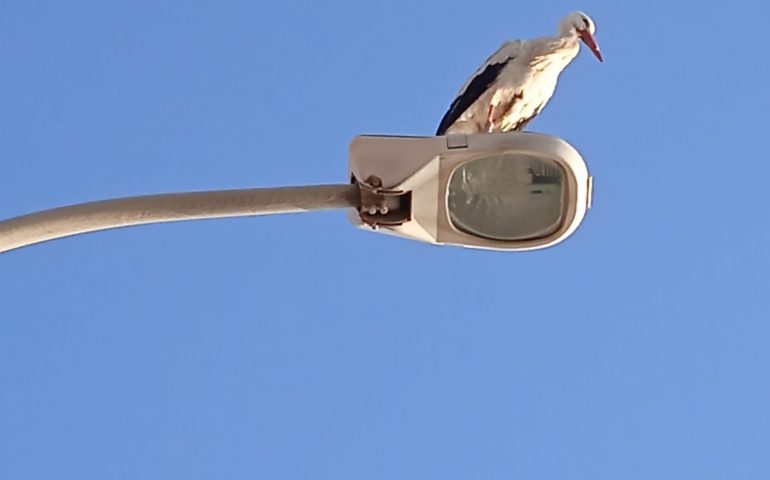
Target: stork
{"points": [[516, 81]]}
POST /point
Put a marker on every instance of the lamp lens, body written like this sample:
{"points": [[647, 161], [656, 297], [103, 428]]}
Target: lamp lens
{"points": [[507, 197]]}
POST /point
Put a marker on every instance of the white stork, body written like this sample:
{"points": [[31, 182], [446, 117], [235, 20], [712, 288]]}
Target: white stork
{"points": [[515, 83]]}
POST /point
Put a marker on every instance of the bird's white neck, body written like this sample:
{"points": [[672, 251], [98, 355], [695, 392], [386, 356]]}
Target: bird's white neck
{"points": [[557, 51]]}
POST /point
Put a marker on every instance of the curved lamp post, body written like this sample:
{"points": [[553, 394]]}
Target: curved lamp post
{"points": [[508, 191]]}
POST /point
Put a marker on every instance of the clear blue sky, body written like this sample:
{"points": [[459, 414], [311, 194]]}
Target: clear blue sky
{"points": [[265, 347]]}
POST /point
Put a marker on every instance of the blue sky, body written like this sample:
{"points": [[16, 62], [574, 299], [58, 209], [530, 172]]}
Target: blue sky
{"points": [[299, 347]]}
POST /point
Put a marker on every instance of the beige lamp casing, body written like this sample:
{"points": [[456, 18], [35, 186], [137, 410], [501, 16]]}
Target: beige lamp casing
{"points": [[418, 170]]}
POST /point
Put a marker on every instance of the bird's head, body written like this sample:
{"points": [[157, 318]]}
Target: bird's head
{"points": [[579, 24]]}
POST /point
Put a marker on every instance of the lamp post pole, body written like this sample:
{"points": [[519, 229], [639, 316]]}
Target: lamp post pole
{"points": [[124, 212]]}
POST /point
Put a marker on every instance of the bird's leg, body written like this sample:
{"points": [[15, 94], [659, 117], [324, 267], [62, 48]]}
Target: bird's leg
{"points": [[490, 125]]}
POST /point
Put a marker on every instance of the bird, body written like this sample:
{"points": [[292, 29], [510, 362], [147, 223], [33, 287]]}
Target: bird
{"points": [[515, 83]]}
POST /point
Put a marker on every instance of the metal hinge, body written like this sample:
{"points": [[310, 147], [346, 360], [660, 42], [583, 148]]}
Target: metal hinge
{"points": [[590, 199]]}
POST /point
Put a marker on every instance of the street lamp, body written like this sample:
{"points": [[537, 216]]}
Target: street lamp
{"points": [[507, 191]]}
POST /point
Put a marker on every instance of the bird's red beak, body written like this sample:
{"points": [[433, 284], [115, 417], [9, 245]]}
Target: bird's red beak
{"points": [[588, 39]]}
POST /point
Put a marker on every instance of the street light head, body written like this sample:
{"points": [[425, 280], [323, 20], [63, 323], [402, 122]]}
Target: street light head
{"points": [[507, 191]]}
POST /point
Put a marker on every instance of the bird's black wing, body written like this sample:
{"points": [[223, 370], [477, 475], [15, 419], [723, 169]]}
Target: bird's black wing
{"points": [[472, 92]]}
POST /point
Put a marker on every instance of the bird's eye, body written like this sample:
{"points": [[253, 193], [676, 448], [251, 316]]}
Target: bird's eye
{"points": [[586, 23]]}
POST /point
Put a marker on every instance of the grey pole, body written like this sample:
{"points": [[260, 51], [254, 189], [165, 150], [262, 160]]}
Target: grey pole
{"points": [[172, 207]]}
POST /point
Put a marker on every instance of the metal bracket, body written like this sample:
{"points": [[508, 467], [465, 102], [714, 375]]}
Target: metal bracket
{"points": [[382, 206]]}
